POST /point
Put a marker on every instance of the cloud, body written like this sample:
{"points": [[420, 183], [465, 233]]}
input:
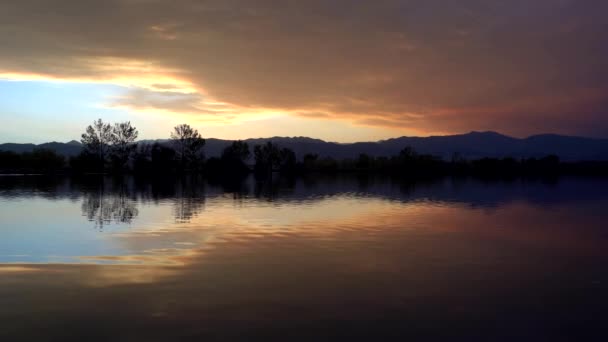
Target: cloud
{"points": [[519, 67], [163, 100]]}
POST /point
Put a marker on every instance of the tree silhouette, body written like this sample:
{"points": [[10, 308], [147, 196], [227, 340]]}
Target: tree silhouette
{"points": [[310, 159], [287, 160], [363, 162], [156, 158], [408, 154], [39, 160], [238, 150], [123, 144], [188, 145], [234, 158], [267, 157], [102, 140], [97, 139]]}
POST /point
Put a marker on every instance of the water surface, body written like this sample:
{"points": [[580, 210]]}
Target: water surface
{"points": [[143, 260]]}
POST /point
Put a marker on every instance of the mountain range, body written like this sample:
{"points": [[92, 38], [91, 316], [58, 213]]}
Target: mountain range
{"points": [[471, 145]]}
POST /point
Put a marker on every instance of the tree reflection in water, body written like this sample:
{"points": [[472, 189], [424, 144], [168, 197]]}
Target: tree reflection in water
{"points": [[110, 203], [106, 201], [189, 199]]}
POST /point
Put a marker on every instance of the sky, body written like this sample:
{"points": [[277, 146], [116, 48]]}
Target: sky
{"points": [[336, 70]]}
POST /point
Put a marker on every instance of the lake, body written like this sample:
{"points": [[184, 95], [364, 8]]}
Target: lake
{"points": [[102, 259]]}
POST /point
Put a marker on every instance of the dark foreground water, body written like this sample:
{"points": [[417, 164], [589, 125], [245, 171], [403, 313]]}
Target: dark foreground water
{"points": [[98, 259]]}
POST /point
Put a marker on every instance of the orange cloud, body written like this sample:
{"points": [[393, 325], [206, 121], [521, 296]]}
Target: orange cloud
{"points": [[421, 65]]}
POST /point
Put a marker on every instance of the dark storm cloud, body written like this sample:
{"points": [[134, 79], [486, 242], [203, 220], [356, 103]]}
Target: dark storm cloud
{"points": [[435, 66]]}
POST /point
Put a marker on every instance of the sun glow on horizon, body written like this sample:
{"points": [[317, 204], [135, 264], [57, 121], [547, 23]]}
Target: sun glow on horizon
{"points": [[156, 99]]}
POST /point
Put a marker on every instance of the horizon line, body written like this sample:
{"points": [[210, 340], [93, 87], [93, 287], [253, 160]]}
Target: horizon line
{"points": [[346, 143]]}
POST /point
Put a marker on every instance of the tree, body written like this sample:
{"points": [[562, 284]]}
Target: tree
{"points": [[39, 160], [188, 145], [97, 139], [238, 150], [267, 157], [10, 160], [122, 143], [154, 159], [42, 159], [364, 161], [310, 161], [162, 157], [408, 154], [287, 160], [234, 158]]}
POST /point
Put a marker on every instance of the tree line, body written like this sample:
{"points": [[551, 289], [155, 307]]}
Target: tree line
{"points": [[113, 148]]}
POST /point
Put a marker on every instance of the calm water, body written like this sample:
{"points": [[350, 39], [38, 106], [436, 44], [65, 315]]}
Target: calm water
{"points": [[351, 258]]}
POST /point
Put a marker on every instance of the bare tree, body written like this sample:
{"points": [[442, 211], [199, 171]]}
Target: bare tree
{"points": [[188, 144], [123, 143], [97, 139]]}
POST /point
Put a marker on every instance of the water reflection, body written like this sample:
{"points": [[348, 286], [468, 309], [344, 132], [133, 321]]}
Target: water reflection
{"points": [[106, 200], [189, 199], [308, 259], [152, 220], [106, 205]]}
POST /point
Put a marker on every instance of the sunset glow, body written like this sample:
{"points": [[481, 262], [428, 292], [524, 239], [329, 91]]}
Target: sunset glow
{"points": [[373, 71]]}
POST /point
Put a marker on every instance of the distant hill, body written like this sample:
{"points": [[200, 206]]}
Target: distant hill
{"points": [[71, 148], [470, 145]]}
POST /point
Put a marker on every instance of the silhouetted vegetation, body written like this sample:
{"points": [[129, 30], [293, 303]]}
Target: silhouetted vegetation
{"points": [[103, 145], [112, 148], [271, 158], [232, 162], [156, 158], [37, 161], [188, 144], [123, 144], [96, 141]]}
